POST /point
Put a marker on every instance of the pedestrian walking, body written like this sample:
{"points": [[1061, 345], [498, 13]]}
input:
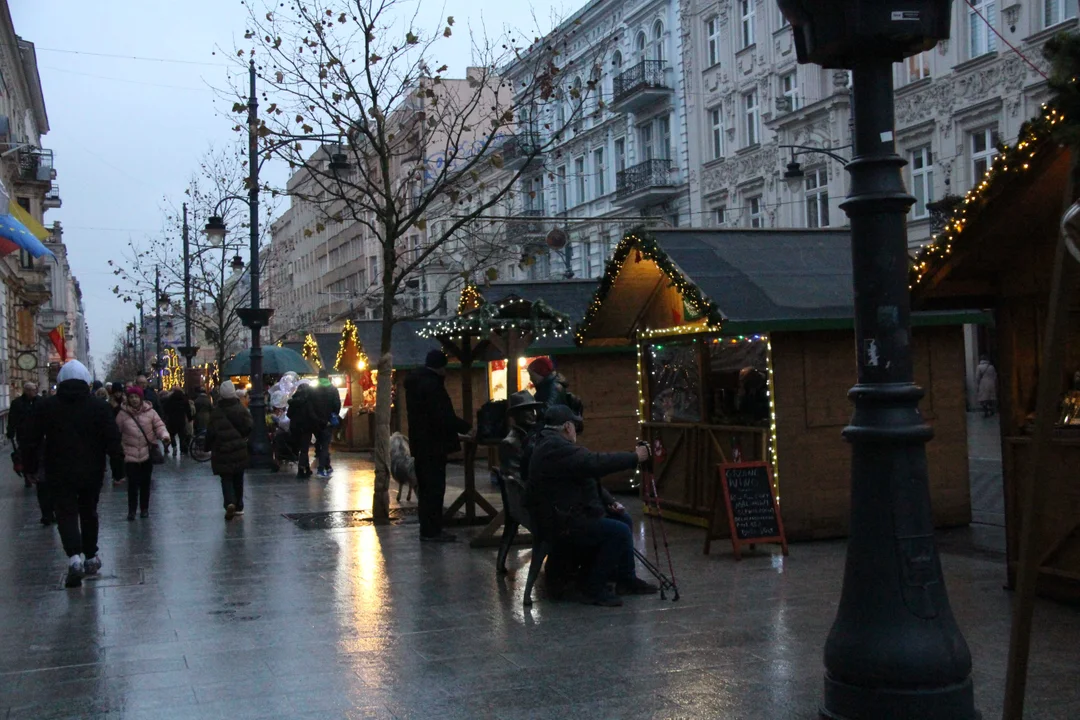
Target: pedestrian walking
{"points": [[435, 431], [150, 395], [305, 420], [986, 384], [227, 437], [177, 413], [203, 407], [329, 403], [140, 427], [116, 396], [20, 411], [76, 431]]}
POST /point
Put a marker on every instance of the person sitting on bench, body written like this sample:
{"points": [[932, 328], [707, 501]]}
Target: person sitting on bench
{"points": [[563, 482], [521, 416]]}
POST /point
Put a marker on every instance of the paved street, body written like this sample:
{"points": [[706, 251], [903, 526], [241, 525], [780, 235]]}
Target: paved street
{"points": [[262, 618], [984, 466]]}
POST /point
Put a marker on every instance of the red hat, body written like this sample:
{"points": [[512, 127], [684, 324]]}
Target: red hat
{"points": [[134, 390], [542, 366]]}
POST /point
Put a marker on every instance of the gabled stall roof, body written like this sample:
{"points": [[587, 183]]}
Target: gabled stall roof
{"points": [[739, 280], [408, 348], [571, 297]]}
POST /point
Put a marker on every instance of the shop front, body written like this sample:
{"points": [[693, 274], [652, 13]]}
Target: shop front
{"points": [[744, 348]]}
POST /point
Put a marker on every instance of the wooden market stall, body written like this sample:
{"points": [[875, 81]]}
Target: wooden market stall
{"points": [[745, 347], [998, 253], [603, 377]]}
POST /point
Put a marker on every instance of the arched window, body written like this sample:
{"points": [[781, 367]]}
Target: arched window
{"points": [[658, 41], [641, 45], [616, 61]]}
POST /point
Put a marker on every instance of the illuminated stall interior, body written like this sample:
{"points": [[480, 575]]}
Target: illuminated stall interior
{"points": [[997, 252], [745, 352]]}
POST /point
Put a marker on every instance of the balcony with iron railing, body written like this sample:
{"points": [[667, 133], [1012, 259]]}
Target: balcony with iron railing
{"points": [[36, 165], [646, 183], [52, 197], [640, 86], [522, 149], [525, 224]]}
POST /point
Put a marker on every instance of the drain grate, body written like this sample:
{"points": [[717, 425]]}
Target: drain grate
{"points": [[337, 519]]}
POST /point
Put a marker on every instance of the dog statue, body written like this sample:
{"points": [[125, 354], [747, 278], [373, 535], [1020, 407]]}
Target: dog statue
{"points": [[402, 464]]}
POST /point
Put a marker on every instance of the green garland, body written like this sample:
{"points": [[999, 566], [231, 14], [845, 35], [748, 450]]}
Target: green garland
{"points": [[643, 246]]}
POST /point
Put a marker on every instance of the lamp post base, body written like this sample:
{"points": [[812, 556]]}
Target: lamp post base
{"points": [[850, 702]]}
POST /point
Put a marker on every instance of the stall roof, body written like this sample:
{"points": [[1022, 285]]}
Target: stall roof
{"points": [[744, 281], [571, 297], [409, 349], [1012, 213], [328, 348]]}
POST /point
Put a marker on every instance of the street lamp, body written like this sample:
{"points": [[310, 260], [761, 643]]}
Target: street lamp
{"points": [[237, 263], [794, 169], [894, 650], [187, 349]]}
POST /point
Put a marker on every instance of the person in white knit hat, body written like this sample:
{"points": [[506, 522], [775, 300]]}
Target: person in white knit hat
{"points": [[77, 433]]}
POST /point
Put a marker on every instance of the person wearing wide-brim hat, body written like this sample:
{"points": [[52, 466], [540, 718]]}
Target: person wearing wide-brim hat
{"points": [[521, 412]]}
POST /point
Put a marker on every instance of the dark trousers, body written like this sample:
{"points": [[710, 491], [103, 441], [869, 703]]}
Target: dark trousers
{"points": [[178, 440], [302, 441], [613, 546], [138, 477], [431, 488], [322, 448], [77, 518], [46, 495], [232, 490]]}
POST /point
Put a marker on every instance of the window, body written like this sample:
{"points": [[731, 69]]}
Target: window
{"points": [[616, 61], [716, 122], [663, 126], [640, 45], [599, 170], [983, 152], [658, 42], [645, 140], [414, 247], [817, 199], [747, 27], [918, 67], [712, 31], [535, 199], [620, 154], [1058, 11], [560, 114], [752, 116], [719, 216], [789, 90], [782, 21], [579, 179], [560, 189], [753, 214], [981, 38], [373, 268], [594, 259], [922, 180]]}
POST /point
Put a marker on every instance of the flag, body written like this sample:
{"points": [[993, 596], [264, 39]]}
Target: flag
{"points": [[57, 337], [19, 230]]}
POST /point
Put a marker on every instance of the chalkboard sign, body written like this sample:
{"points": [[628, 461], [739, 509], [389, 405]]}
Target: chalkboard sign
{"points": [[752, 515]]}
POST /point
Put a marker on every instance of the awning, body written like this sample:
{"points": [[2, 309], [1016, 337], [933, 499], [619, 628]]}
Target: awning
{"points": [[20, 231]]}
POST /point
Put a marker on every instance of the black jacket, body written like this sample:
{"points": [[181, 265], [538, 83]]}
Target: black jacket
{"points": [[177, 411], [21, 409], [564, 478], [433, 425], [227, 437], [305, 414], [77, 431], [151, 396], [327, 400]]}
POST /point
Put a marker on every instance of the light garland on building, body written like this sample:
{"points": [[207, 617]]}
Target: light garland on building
{"points": [[310, 351], [348, 334], [1012, 161], [470, 299], [543, 321], [172, 375]]}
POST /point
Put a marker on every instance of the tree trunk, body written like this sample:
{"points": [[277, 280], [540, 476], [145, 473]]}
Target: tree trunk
{"points": [[380, 499]]}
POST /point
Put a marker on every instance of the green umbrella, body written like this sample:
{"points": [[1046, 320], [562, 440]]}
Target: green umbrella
{"points": [[276, 361]]}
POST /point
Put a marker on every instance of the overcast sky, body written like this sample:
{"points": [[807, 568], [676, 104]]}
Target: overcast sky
{"points": [[127, 133]]}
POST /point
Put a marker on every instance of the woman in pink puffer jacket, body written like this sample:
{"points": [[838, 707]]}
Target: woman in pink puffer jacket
{"points": [[139, 426]]}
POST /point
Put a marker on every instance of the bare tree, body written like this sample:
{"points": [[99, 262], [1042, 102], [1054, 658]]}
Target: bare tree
{"points": [[219, 283], [357, 96], [122, 362]]}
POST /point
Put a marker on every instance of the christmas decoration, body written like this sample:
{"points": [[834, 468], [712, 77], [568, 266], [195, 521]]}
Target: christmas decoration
{"points": [[535, 318], [310, 351], [348, 335]]}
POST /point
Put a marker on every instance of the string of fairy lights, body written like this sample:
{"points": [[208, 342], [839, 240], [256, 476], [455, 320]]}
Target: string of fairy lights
{"points": [[1010, 162], [310, 351], [349, 334], [543, 321]]}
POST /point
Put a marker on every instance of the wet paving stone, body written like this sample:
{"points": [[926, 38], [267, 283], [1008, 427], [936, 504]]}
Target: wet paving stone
{"points": [[303, 608]]}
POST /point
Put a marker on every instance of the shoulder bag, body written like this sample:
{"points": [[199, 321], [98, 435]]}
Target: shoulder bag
{"points": [[157, 455]]}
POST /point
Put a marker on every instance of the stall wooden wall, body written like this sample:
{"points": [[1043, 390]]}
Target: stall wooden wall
{"points": [[813, 372], [607, 384]]}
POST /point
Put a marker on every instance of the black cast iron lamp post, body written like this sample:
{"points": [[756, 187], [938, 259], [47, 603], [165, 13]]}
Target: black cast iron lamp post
{"points": [[894, 651]]}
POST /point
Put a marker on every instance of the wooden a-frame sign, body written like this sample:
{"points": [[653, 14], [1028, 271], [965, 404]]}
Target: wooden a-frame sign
{"points": [[752, 513]]}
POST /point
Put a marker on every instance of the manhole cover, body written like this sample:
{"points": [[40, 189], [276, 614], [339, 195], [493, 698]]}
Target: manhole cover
{"points": [[348, 518]]}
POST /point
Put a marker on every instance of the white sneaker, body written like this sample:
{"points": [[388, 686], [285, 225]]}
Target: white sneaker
{"points": [[92, 565], [74, 573]]}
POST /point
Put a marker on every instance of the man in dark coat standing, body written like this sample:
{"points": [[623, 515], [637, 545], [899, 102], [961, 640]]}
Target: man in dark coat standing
{"points": [[177, 413], [227, 437], [304, 415], [21, 409], [328, 401], [76, 431], [435, 431], [563, 483]]}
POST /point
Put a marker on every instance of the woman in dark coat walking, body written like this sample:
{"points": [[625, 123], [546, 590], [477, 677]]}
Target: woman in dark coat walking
{"points": [[227, 437], [177, 413]]}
